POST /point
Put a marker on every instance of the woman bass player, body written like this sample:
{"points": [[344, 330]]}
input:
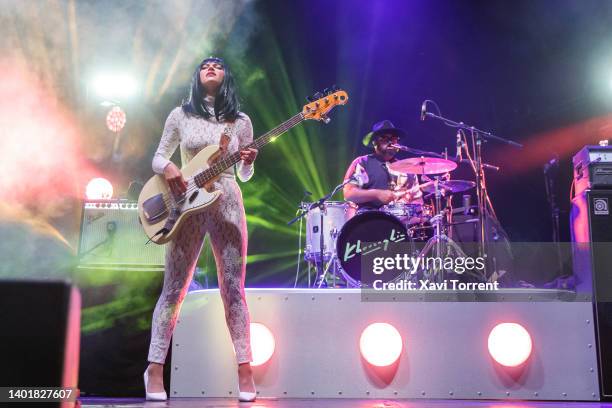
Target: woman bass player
{"points": [[379, 185], [210, 116]]}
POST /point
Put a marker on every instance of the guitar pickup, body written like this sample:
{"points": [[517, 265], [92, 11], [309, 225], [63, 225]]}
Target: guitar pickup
{"points": [[154, 208], [193, 196]]}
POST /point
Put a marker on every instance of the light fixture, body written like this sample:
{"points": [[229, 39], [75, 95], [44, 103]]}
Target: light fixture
{"points": [[380, 344], [99, 189], [509, 344], [115, 119], [262, 344], [114, 86]]}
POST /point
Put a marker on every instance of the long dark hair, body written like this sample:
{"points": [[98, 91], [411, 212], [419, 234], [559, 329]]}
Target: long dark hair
{"points": [[227, 106]]}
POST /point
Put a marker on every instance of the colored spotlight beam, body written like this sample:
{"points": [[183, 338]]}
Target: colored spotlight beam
{"points": [[563, 142]]}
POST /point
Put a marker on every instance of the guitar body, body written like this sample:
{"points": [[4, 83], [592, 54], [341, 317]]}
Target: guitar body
{"points": [[196, 199]]}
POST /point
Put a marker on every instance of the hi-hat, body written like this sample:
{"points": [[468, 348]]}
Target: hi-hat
{"points": [[423, 165], [449, 186]]}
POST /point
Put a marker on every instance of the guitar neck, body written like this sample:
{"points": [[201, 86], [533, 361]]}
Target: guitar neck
{"points": [[219, 167]]}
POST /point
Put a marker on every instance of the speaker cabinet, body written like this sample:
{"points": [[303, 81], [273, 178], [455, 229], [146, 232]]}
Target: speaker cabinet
{"points": [[591, 224], [40, 334]]}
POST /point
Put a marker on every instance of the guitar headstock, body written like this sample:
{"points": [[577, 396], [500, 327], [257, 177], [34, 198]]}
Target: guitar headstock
{"points": [[321, 103]]}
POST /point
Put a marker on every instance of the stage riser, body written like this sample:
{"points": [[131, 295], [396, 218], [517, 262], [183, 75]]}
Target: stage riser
{"points": [[445, 348]]}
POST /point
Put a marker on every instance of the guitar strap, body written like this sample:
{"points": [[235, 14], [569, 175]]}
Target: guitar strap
{"points": [[226, 137]]}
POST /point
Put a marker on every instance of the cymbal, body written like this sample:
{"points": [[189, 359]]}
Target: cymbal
{"points": [[423, 165], [449, 186]]}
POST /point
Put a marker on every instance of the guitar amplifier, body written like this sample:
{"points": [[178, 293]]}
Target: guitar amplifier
{"points": [[112, 236], [593, 168], [591, 227]]}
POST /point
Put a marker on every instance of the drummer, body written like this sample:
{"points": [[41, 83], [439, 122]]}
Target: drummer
{"points": [[375, 184]]}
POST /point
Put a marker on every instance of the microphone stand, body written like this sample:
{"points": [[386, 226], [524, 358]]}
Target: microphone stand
{"points": [[478, 136], [320, 204]]}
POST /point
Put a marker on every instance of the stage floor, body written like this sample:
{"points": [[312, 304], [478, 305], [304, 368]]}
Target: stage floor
{"points": [[331, 403]]}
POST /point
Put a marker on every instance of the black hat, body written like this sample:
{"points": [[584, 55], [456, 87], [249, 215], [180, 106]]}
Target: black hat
{"points": [[382, 128]]}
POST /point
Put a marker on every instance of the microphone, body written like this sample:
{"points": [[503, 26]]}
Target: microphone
{"points": [[399, 147], [423, 110], [458, 156]]}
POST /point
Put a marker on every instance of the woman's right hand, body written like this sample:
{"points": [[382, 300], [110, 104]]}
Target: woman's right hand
{"points": [[175, 179]]}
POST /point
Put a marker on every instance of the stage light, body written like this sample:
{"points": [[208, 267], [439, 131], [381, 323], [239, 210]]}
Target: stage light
{"points": [[380, 344], [98, 189], [115, 119], [262, 344], [114, 86], [509, 344]]}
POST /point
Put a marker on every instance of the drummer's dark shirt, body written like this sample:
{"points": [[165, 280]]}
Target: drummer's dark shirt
{"points": [[374, 174]]}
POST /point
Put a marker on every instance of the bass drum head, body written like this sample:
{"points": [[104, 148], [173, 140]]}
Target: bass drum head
{"points": [[367, 227]]}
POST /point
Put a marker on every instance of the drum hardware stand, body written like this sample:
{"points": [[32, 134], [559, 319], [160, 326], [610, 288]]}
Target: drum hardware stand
{"points": [[321, 205], [333, 261], [435, 243], [478, 137], [299, 257]]}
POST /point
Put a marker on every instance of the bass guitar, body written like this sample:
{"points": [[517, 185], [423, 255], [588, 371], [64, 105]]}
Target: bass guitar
{"points": [[162, 213]]}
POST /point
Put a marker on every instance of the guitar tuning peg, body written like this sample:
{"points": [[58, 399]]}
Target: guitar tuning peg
{"points": [[318, 95], [311, 98], [327, 91], [334, 88], [325, 119]]}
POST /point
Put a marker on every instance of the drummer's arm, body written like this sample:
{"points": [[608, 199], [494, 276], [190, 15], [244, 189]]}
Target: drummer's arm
{"points": [[353, 191], [359, 195], [415, 195]]}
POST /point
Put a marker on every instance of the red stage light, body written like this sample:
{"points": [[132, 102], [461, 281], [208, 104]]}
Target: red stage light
{"points": [[99, 188], [510, 344], [262, 344], [380, 344]]}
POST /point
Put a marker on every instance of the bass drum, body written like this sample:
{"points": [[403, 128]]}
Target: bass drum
{"points": [[366, 233]]}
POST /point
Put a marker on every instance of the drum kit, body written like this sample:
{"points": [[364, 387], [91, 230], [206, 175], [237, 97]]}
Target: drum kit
{"points": [[335, 228], [339, 235]]}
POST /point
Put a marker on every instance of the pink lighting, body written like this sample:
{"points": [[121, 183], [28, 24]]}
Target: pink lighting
{"points": [[262, 344], [380, 344], [509, 344]]}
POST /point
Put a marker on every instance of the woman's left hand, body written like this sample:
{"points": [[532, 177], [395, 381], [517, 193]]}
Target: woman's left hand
{"points": [[248, 155]]}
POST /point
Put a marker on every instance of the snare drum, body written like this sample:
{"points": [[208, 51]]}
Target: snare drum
{"points": [[401, 210], [335, 215]]}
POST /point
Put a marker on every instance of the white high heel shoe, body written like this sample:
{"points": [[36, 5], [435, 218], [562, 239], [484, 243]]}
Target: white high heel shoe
{"points": [[153, 396], [247, 396]]}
